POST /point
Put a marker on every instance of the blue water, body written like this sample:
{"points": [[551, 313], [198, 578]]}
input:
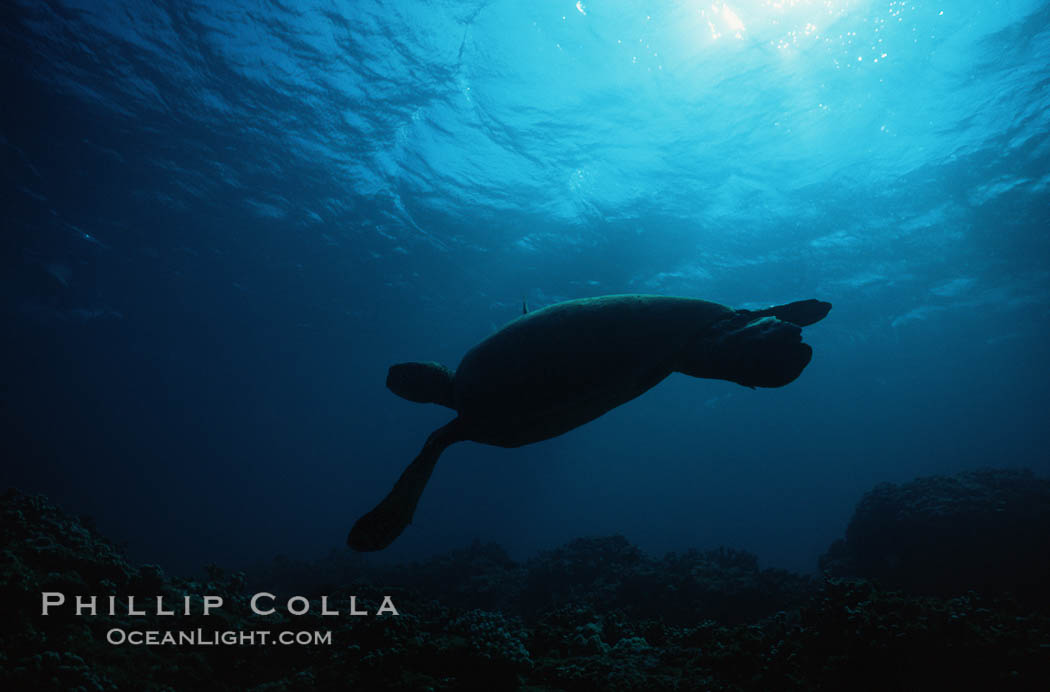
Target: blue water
{"points": [[224, 221]]}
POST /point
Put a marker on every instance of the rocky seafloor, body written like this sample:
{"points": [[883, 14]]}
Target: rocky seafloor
{"points": [[941, 583]]}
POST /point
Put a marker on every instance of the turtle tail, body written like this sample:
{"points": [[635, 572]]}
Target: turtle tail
{"points": [[378, 529]]}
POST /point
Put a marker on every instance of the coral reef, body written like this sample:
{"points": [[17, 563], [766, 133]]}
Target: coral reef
{"points": [[606, 572], [595, 614], [986, 530]]}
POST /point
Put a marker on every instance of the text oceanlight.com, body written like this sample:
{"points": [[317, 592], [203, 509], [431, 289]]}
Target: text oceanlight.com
{"points": [[202, 637], [157, 610]]}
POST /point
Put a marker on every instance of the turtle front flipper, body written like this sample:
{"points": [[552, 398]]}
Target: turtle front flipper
{"points": [[378, 528]]}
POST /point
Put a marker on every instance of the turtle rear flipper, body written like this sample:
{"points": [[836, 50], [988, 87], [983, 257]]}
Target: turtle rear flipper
{"points": [[424, 383], [767, 352], [801, 312], [378, 528], [750, 350]]}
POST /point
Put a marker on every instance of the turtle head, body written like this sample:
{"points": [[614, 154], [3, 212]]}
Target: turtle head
{"points": [[764, 352], [426, 383]]}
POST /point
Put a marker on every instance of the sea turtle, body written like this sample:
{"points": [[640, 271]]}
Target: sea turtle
{"points": [[557, 368]]}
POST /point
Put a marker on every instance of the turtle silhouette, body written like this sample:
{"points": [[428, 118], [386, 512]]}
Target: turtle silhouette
{"points": [[554, 369]]}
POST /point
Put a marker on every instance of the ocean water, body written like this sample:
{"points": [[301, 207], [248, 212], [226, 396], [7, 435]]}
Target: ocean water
{"points": [[223, 221]]}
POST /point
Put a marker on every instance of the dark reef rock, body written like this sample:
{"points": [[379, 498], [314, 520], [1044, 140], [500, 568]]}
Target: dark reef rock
{"points": [[985, 530], [609, 573], [594, 615], [481, 575], [606, 572]]}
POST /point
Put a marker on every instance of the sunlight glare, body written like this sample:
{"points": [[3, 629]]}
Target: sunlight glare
{"points": [[782, 23]]}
